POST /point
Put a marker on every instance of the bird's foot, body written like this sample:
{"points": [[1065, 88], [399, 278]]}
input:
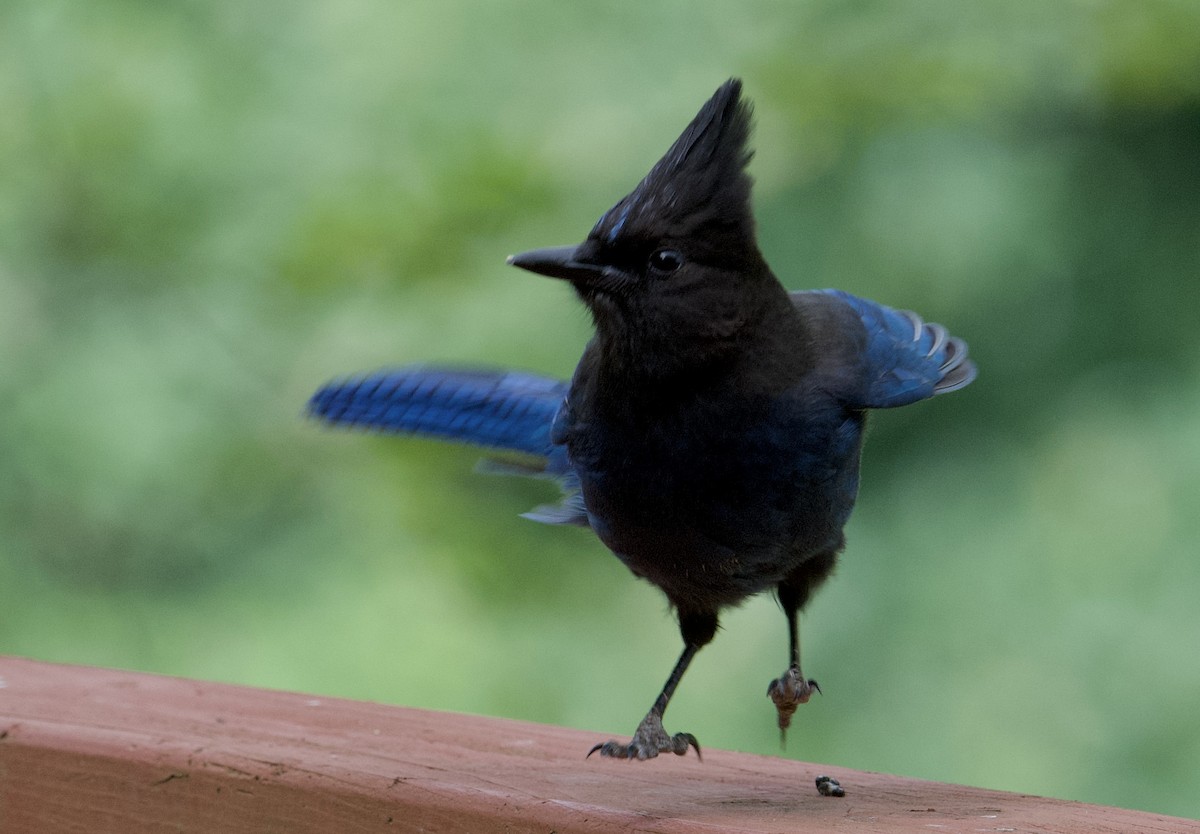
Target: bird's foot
{"points": [[649, 740], [789, 692]]}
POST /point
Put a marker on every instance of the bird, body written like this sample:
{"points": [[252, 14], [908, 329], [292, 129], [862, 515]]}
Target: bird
{"points": [[711, 433]]}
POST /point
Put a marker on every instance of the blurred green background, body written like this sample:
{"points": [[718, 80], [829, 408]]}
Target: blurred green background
{"points": [[209, 208]]}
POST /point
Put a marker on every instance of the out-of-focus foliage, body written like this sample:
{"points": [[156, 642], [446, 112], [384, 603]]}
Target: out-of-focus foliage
{"points": [[209, 208]]}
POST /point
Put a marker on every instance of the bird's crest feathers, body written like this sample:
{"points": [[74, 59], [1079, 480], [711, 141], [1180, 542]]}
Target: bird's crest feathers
{"points": [[699, 182]]}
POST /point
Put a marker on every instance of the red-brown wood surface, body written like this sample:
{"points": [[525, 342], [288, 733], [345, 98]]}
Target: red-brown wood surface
{"points": [[87, 750]]}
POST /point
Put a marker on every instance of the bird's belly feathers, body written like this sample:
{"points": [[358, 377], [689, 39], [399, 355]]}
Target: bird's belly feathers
{"points": [[717, 510]]}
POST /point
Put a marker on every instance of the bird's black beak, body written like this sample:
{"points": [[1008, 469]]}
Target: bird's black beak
{"points": [[565, 262]]}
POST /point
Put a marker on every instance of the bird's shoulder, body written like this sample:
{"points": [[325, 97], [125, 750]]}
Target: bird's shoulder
{"points": [[894, 357]]}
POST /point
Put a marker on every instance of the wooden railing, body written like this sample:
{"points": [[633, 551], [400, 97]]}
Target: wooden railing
{"points": [[98, 750]]}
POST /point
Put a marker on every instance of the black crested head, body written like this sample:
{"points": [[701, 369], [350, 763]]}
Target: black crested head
{"points": [[699, 185], [692, 208], [672, 273]]}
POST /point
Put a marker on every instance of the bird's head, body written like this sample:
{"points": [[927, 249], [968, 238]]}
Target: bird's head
{"points": [[674, 265]]}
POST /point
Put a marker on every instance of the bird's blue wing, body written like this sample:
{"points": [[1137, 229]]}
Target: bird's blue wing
{"points": [[502, 410], [906, 359]]}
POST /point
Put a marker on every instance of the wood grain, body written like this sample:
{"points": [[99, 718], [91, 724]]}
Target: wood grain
{"points": [[99, 750]]}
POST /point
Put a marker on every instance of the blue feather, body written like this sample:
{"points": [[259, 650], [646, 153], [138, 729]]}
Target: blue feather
{"points": [[905, 358], [501, 410]]}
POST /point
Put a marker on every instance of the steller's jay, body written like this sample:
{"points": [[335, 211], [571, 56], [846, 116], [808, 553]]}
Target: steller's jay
{"points": [[711, 433]]}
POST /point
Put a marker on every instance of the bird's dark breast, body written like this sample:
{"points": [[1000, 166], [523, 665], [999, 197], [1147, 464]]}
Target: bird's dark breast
{"points": [[715, 503]]}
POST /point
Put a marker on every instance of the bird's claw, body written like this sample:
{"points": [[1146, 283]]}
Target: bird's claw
{"points": [[649, 740], [789, 692], [677, 744]]}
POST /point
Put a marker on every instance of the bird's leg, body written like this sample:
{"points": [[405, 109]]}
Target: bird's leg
{"points": [[650, 738], [792, 689]]}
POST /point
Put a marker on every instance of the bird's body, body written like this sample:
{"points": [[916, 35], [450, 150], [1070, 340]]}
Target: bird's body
{"points": [[716, 486], [712, 431]]}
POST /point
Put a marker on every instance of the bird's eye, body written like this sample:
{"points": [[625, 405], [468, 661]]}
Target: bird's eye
{"points": [[666, 260]]}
